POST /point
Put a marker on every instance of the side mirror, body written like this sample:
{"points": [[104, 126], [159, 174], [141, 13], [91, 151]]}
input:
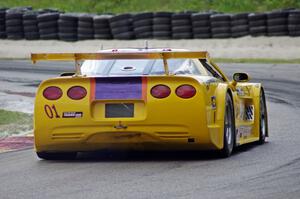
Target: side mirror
{"points": [[241, 77]]}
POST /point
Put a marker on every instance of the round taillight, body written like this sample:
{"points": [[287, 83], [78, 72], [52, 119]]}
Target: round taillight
{"points": [[77, 92], [160, 91], [52, 93], [185, 91]]}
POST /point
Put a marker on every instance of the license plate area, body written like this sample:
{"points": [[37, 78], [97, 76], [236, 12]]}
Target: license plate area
{"points": [[119, 110]]}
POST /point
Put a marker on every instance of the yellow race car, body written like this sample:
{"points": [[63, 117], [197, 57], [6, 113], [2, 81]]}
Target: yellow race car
{"points": [[145, 99]]}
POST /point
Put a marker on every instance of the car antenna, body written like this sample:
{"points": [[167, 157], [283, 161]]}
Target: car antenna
{"points": [[146, 44]]}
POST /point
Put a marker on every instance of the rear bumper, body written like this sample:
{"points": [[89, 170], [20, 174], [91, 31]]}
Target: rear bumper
{"points": [[154, 137]]}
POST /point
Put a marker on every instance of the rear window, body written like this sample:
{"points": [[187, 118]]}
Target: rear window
{"points": [[127, 67]]}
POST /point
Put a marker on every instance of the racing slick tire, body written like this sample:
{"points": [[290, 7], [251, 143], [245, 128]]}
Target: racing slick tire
{"points": [[229, 128], [57, 156], [263, 118]]}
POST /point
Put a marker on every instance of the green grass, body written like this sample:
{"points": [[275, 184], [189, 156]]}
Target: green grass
{"points": [[122, 6], [7, 117], [12, 122], [257, 60]]}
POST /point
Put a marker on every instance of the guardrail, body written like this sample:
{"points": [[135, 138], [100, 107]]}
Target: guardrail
{"points": [[25, 23]]}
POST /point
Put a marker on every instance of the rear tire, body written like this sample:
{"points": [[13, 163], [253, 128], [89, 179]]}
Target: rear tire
{"points": [[263, 118], [229, 128], [57, 156]]}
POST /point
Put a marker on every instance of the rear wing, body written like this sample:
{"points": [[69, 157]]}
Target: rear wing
{"points": [[121, 55], [117, 55]]}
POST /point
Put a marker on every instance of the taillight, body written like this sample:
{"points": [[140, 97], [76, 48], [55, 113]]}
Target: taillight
{"points": [[160, 91], [52, 93], [185, 91], [77, 92]]}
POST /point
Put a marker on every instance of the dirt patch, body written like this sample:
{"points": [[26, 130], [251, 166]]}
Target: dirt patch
{"points": [[245, 47]]}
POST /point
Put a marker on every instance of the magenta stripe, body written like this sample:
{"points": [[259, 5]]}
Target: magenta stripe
{"points": [[118, 88]]}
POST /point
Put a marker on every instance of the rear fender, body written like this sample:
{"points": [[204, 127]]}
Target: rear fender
{"points": [[216, 130], [257, 88]]}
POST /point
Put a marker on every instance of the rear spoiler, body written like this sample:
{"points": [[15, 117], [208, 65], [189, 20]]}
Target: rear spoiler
{"points": [[119, 55]]}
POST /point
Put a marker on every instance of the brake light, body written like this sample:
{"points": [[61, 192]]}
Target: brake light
{"points": [[185, 91], [76, 92], [160, 91], [52, 93]]}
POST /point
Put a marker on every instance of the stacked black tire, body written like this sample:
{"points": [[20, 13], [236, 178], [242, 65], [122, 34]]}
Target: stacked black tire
{"points": [[201, 25], [2, 23], [142, 25], [182, 26], [30, 24], [239, 25], [162, 27], [294, 23], [277, 23], [14, 24], [102, 27], [257, 24], [220, 25], [122, 27], [67, 27], [47, 24], [85, 27]]}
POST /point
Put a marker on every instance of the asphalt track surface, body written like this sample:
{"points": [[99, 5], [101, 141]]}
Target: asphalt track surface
{"points": [[271, 170]]}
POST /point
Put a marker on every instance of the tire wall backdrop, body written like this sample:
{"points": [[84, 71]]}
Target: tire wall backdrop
{"points": [[25, 23]]}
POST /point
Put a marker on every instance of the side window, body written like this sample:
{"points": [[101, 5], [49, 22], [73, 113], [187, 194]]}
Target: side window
{"points": [[211, 71], [176, 66]]}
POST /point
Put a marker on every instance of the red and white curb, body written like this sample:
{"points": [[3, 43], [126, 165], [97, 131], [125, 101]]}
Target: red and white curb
{"points": [[15, 143]]}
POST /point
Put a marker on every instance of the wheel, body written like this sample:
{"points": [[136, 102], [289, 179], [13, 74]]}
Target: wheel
{"points": [[229, 128], [57, 156], [263, 118]]}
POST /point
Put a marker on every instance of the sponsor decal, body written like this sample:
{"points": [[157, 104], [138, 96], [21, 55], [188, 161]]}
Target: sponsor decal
{"points": [[240, 111], [213, 102], [240, 91], [244, 131], [72, 114], [249, 113], [243, 90]]}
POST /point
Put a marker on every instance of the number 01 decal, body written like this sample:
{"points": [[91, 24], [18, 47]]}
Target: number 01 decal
{"points": [[51, 111]]}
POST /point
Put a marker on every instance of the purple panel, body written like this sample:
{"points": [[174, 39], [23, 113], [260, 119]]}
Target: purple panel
{"points": [[118, 88]]}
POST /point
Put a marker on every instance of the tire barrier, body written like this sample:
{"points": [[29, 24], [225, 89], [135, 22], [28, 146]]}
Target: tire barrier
{"points": [[294, 23], [25, 23], [101, 27], [85, 27], [2, 23], [30, 24], [47, 24], [277, 23], [182, 26], [162, 27], [142, 25], [67, 27], [239, 25], [220, 25], [14, 23], [257, 24], [122, 27], [201, 25]]}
